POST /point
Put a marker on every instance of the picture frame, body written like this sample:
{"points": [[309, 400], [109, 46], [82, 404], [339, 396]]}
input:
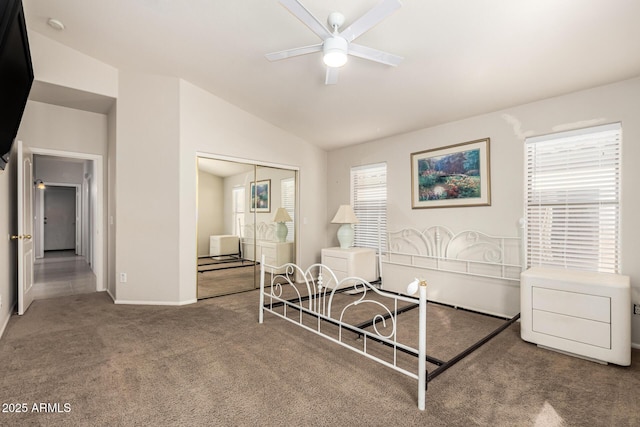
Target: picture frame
{"points": [[261, 196], [452, 176]]}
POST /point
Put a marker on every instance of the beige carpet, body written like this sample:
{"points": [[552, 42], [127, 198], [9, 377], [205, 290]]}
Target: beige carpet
{"points": [[211, 363]]}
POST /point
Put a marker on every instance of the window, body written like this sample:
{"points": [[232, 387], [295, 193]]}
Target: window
{"points": [[288, 200], [573, 199], [238, 211], [369, 201]]}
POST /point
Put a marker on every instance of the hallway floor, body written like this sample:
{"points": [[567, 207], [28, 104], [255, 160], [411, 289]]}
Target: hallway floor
{"points": [[62, 273]]}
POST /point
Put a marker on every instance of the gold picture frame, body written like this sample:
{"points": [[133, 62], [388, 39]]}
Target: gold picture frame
{"points": [[452, 176]]}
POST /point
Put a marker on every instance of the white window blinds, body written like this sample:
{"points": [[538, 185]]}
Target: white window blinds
{"points": [[238, 211], [573, 199], [288, 200], [369, 201]]}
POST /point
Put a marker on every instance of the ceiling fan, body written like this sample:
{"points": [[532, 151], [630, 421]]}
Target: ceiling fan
{"points": [[337, 45]]}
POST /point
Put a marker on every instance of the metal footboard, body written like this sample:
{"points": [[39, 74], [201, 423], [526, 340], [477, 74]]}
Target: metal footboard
{"points": [[310, 302]]}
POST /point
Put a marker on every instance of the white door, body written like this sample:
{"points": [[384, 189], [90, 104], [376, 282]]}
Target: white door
{"points": [[25, 228]]}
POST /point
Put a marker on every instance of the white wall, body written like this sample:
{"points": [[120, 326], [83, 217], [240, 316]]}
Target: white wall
{"points": [[507, 130], [58, 64], [147, 198], [64, 129], [210, 125], [57, 170]]}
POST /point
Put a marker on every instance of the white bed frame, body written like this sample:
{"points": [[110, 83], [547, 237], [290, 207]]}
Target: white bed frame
{"points": [[320, 285], [469, 269], [494, 264]]}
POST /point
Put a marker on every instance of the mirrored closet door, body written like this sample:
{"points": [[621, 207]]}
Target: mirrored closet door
{"points": [[245, 211]]}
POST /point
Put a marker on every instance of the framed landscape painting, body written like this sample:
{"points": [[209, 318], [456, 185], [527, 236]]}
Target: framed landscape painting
{"points": [[456, 175], [261, 196]]}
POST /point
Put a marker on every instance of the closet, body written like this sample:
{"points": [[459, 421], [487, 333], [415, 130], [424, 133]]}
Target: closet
{"points": [[244, 210]]}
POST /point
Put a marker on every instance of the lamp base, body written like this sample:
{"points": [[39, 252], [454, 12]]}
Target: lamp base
{"points": [[281, 231], [345, 236]]}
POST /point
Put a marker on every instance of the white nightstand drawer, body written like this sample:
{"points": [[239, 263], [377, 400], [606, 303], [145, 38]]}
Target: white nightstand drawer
{"points": [[336, 264], [351, 262], [269, 254], [592, 307], [583, 313], [572, 328]]}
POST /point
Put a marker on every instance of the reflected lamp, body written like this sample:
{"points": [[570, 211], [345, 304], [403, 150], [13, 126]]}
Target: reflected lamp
{"points": [[280, 218]]}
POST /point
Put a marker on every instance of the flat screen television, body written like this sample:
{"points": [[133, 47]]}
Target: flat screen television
{"points": [[16, 73]]}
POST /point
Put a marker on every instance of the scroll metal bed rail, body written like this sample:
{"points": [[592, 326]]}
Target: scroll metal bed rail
{"points": [[315, 296]]}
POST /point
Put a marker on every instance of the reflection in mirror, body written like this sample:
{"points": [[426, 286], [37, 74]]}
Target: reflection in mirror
{"points": [[241, 207], [273, 203]]}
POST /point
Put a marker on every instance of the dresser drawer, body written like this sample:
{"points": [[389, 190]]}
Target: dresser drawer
{"points": [[591, 307], [336, 264], [269, 255], [572, 328], [582, 313]]}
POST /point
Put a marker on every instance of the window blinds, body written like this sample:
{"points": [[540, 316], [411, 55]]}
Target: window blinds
{"points": [[573, 199], [288, 201], [238, 211], [369, 201]]}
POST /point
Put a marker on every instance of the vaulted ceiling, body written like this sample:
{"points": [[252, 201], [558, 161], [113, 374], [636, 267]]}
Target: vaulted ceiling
{"points": [[461, 58]]}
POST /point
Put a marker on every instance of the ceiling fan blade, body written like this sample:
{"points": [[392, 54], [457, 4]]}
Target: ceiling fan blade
{"points": [[374, 55], [301, 12], [284, 54], [370, 19], [332, 76]]}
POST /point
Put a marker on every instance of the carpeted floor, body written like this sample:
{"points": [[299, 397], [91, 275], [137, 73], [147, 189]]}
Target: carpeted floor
{"points": [[211, 363]]}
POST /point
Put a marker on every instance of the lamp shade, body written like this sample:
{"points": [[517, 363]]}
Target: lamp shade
{"points": [[345, 215], [282, 216]]}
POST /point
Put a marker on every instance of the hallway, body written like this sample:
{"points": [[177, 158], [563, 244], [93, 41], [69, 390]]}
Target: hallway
{"points": [[62, 273]]}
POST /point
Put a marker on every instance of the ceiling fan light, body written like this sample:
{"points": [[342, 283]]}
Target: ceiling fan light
{"points": [[335, 52], [335, 59]]}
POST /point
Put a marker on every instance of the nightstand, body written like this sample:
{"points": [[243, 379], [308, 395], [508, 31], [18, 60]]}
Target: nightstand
{"points": [[351, 262], [275, 253]]}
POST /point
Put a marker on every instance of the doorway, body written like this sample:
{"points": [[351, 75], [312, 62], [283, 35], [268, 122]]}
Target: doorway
{"points": [[237, 202], [61, 206], [65, 219]]}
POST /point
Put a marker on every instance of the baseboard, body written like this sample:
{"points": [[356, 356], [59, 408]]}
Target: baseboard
{"points": [[5, 322], [176, 303], [634, 345], [112, 297]]}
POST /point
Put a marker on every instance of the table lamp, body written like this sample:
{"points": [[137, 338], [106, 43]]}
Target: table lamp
{"points": [[347, 218], [281, 217]]}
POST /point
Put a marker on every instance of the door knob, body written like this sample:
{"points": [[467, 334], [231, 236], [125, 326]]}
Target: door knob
{"points": [[25, 236]]}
